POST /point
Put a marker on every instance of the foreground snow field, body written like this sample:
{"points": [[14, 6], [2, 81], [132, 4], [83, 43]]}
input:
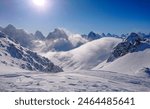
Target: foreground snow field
{"points": [[71, 81]]}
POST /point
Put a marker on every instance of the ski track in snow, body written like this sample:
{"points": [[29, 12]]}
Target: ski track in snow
{"points": [[78, 81]]}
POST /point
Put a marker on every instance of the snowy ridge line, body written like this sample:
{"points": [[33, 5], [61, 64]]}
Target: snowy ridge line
{"points": [[13, 54]]}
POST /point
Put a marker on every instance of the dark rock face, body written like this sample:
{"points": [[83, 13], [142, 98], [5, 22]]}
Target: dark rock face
{"points": [[38, 35], [134, 39], [147, 71], [130, 44], [93, 36], [14, 52], [2, 35]]}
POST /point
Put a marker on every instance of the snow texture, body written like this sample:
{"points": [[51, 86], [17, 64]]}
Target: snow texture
{"points": [[78, 81]]}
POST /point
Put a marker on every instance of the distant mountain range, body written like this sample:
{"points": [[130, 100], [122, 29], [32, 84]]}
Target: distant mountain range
{"points": [[57, 40]]}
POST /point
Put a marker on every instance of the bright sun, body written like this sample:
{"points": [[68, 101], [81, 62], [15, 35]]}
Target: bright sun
{"points": [[39, 3]]}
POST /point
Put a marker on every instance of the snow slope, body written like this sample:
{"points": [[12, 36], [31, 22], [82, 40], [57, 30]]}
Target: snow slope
{"points": [[86, 56], [20, 35], [131, 63], [129, 56], [12, 54]]}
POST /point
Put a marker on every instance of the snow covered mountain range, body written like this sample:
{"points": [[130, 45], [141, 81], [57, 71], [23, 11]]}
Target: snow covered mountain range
{"points": [[57, 40], [78, 55], [75, 51]]}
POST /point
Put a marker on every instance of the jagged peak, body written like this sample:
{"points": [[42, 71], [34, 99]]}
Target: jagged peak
{"points": [[133, 37], [92, 33], [103, 34], [59, 30], [39, 35], [57, 33], [10, 26], [109, 34], [93, 36]]}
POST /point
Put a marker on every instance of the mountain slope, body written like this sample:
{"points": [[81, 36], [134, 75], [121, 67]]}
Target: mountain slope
{"points": [[19, 35], [131, 63], [86, 56], [12, 54], [39, 36], [129, 56]]}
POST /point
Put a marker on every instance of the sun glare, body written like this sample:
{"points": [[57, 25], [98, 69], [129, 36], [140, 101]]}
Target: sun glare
{"points": [[39, 3]]}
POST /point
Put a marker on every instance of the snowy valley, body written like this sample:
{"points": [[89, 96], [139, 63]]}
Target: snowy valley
{"points": [[64, 61]]}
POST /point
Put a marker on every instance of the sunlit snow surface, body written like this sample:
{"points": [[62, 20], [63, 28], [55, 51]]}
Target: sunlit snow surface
{"points": [[78, 81]]}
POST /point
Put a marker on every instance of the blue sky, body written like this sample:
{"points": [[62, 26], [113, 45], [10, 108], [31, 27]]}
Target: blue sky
{"points": [[78, 16]]}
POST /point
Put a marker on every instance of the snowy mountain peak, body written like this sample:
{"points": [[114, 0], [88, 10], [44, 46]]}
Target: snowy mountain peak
{"points": [[58, 30], [109, 35], [92, 36], [10, 26], [134, 38], [57, 33], [39, 35], [132, 43], [103, 35]]}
